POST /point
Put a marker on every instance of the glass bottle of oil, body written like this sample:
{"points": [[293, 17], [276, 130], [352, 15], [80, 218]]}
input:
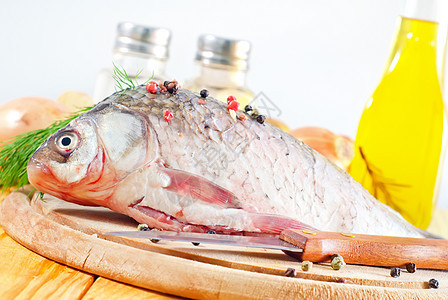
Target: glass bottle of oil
{"points": [[139, 50], [221, 68], [401, 134]]}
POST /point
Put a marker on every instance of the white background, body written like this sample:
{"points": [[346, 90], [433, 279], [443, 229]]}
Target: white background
{"points": [[328, 54]]}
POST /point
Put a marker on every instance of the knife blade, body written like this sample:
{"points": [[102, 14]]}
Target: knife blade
{"points": [[318, 246], [220, 239]]}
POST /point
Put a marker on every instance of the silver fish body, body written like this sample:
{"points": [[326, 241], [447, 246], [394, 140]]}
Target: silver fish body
{"points": [[202, 170]]}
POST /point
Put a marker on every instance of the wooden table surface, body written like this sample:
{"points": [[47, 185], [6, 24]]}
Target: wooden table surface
{"points": [[27, 275]]}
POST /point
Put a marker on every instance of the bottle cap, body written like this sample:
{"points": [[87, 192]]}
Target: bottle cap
{"points": [[144, 40], [221, 51]]}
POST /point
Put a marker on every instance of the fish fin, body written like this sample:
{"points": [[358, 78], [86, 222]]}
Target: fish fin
{"points": [[270, 223], [198, 187]]}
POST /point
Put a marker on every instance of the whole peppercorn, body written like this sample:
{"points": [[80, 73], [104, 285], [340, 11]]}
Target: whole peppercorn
{"points": [[168, 115], [290, 272], [151, 87], [254, 113], [433, 284], [261, 119], [410, 267], [230, 99], [172, 90], [233, 105], [248, 108], [196, 244], [143, 227], [242, 117], [395, 272], [341, 280], [306, 265], [211, 231], [154, 240], [337, 262], [204, 93], [172, 87], [165, 83]]}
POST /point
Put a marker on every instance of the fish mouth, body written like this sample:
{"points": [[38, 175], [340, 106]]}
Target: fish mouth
{"points": [[40, 176]]}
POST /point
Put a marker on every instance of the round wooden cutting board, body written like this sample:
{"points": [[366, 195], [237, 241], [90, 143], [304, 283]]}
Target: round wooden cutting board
{"points": [[71, 234]]}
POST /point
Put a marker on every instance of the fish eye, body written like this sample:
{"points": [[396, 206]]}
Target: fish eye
{"points": [[66, 142]]}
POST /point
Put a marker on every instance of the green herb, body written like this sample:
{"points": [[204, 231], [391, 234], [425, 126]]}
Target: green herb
{"points": [[123, 81], [14, 156]]}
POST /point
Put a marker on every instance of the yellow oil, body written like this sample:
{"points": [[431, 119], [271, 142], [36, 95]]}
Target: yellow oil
{"points": [[399, 140]]}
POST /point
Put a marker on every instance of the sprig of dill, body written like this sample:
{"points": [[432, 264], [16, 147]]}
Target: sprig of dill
{"points": [[123, 81], [15, 154]]}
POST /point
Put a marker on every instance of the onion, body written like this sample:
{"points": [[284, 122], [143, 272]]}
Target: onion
{"points": [[338, 149], [29, 113], [279, 124], [75, 101]]}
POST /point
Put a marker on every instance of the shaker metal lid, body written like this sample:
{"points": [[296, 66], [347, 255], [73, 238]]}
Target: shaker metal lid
{"points": [[222, 51], [143, 40]]}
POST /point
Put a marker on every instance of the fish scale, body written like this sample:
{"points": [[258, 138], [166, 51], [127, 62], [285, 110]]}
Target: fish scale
{"points": [[268, 175], [275, 181]]}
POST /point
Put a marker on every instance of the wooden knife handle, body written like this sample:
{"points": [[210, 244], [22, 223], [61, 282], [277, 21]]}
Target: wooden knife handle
{"points": [[372, 250]]}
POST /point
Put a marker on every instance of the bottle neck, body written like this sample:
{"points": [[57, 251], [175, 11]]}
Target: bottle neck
{"points": [[425, 10], [134, 63], [220, 77], [413, 38]]}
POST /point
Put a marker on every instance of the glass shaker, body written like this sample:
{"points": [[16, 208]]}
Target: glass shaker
{"points": [[221, 68], [137, 49]]}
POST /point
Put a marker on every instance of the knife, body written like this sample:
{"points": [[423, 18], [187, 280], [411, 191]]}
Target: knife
{"points": [[318, 246]]}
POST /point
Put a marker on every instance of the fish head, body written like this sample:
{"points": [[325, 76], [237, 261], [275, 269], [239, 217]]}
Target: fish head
{"points": [[83, 162]]}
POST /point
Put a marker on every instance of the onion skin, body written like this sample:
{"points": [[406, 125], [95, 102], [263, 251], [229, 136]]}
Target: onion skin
{"points": [[29, 113], [338, 149]]}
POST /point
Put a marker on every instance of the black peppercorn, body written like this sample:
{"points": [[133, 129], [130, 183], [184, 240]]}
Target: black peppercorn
{"points": [[248, 108], [204, 93], [143, 227], [261, 119], [395, 272], [410, 267], [166, 82], [172, 90], [433, 284], [196, 244], [290, 272], [172, 87], [211, 232], [155, 240]]}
